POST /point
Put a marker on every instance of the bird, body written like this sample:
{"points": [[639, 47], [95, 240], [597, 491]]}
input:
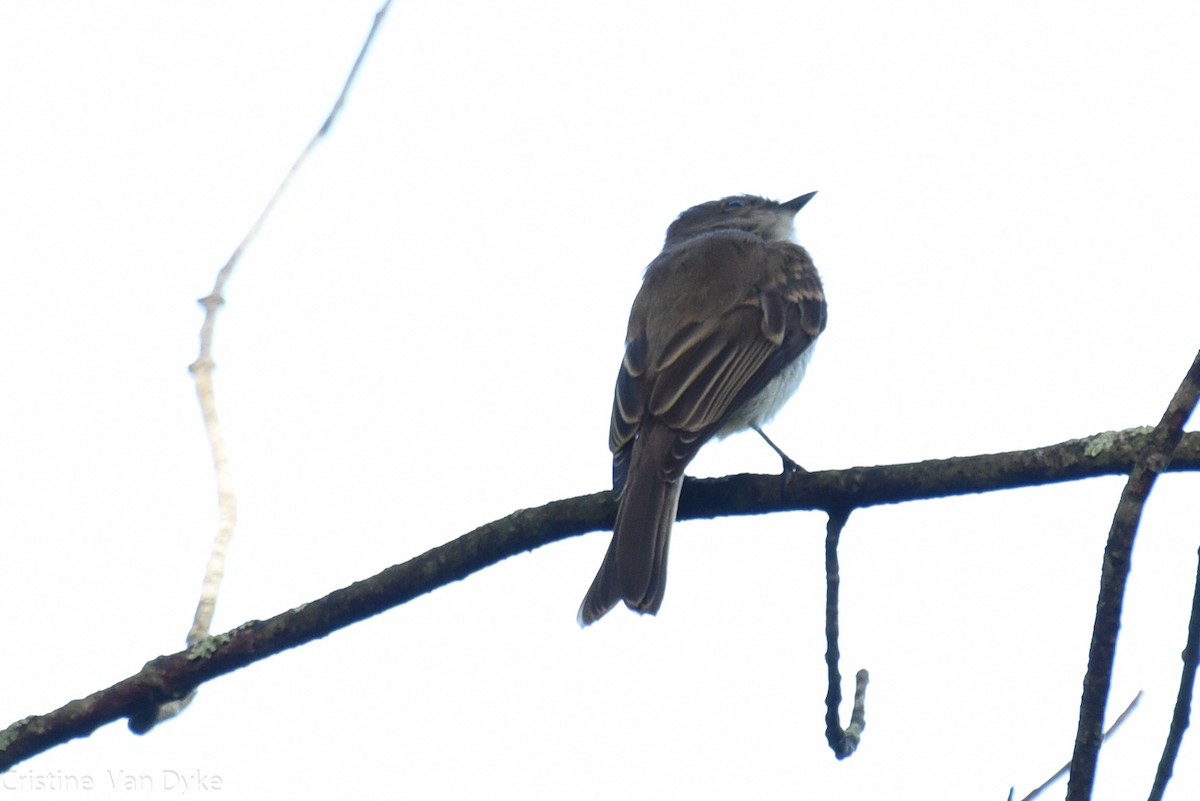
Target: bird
{"points": [[719, 337]]}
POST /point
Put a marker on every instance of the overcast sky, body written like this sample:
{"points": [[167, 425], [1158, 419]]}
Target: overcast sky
{"points": [[425, 338]]}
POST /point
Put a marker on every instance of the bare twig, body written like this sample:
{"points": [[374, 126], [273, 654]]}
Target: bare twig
{"points": [[203, 367], [845, 741], [202, 370], [172, 677], [1063, 770], [1154, 458], [1183, 699]]}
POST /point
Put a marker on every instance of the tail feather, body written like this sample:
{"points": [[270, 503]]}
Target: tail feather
{"points": [[643, 535], [635, 567]]}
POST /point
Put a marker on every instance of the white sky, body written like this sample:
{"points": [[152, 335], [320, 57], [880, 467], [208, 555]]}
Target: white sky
{"points": [[425, 338]]}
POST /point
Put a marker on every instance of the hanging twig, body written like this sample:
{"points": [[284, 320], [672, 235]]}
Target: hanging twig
{"points": [[843, 741]]}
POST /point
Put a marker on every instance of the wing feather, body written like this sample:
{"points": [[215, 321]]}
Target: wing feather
{"points": [[708, 368]]}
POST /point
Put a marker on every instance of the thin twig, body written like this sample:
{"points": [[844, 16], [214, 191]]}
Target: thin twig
{"points": [[1183, 700], [1063, 770], [1154, 458], [845, 741], [202, 371]]}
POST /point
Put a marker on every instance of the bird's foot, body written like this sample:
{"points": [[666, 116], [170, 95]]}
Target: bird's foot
{"points": [[790, 465]]}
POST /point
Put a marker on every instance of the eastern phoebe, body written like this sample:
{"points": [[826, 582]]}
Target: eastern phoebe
{"points": [[719, 336]]}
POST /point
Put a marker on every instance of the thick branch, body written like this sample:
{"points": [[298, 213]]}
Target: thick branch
{"points": [[171, 677], [1111, 453]]}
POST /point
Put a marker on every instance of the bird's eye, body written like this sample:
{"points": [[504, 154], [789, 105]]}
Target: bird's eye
{"points": [[734, 203]]}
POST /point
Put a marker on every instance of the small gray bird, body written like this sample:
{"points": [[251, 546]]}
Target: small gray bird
{"points": [[719, 337]]}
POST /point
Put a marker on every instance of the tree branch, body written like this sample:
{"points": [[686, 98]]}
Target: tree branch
{"points": [[1183, 700], [1154, 457], [171, 677]]}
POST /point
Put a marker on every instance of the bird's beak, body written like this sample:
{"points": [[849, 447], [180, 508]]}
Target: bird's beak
{"points": [[795, 204]]}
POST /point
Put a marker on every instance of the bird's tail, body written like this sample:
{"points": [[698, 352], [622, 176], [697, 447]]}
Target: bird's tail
{"points": [[635, 567]]}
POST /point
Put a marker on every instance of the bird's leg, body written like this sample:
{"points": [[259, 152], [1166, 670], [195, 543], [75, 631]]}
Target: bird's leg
{"points": [[789, 464]]}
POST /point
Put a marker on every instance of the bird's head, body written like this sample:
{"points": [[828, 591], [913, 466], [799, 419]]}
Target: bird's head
{"points": [[755, 215]]}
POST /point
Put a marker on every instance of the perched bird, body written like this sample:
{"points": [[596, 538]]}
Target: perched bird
{"points": [[719, 337]]}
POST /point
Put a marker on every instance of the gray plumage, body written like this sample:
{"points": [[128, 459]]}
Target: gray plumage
{"points": [[719, 337]]}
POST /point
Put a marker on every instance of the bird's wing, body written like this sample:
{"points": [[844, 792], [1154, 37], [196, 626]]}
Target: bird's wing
{"points": [[708, 368], [629, 406]]}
